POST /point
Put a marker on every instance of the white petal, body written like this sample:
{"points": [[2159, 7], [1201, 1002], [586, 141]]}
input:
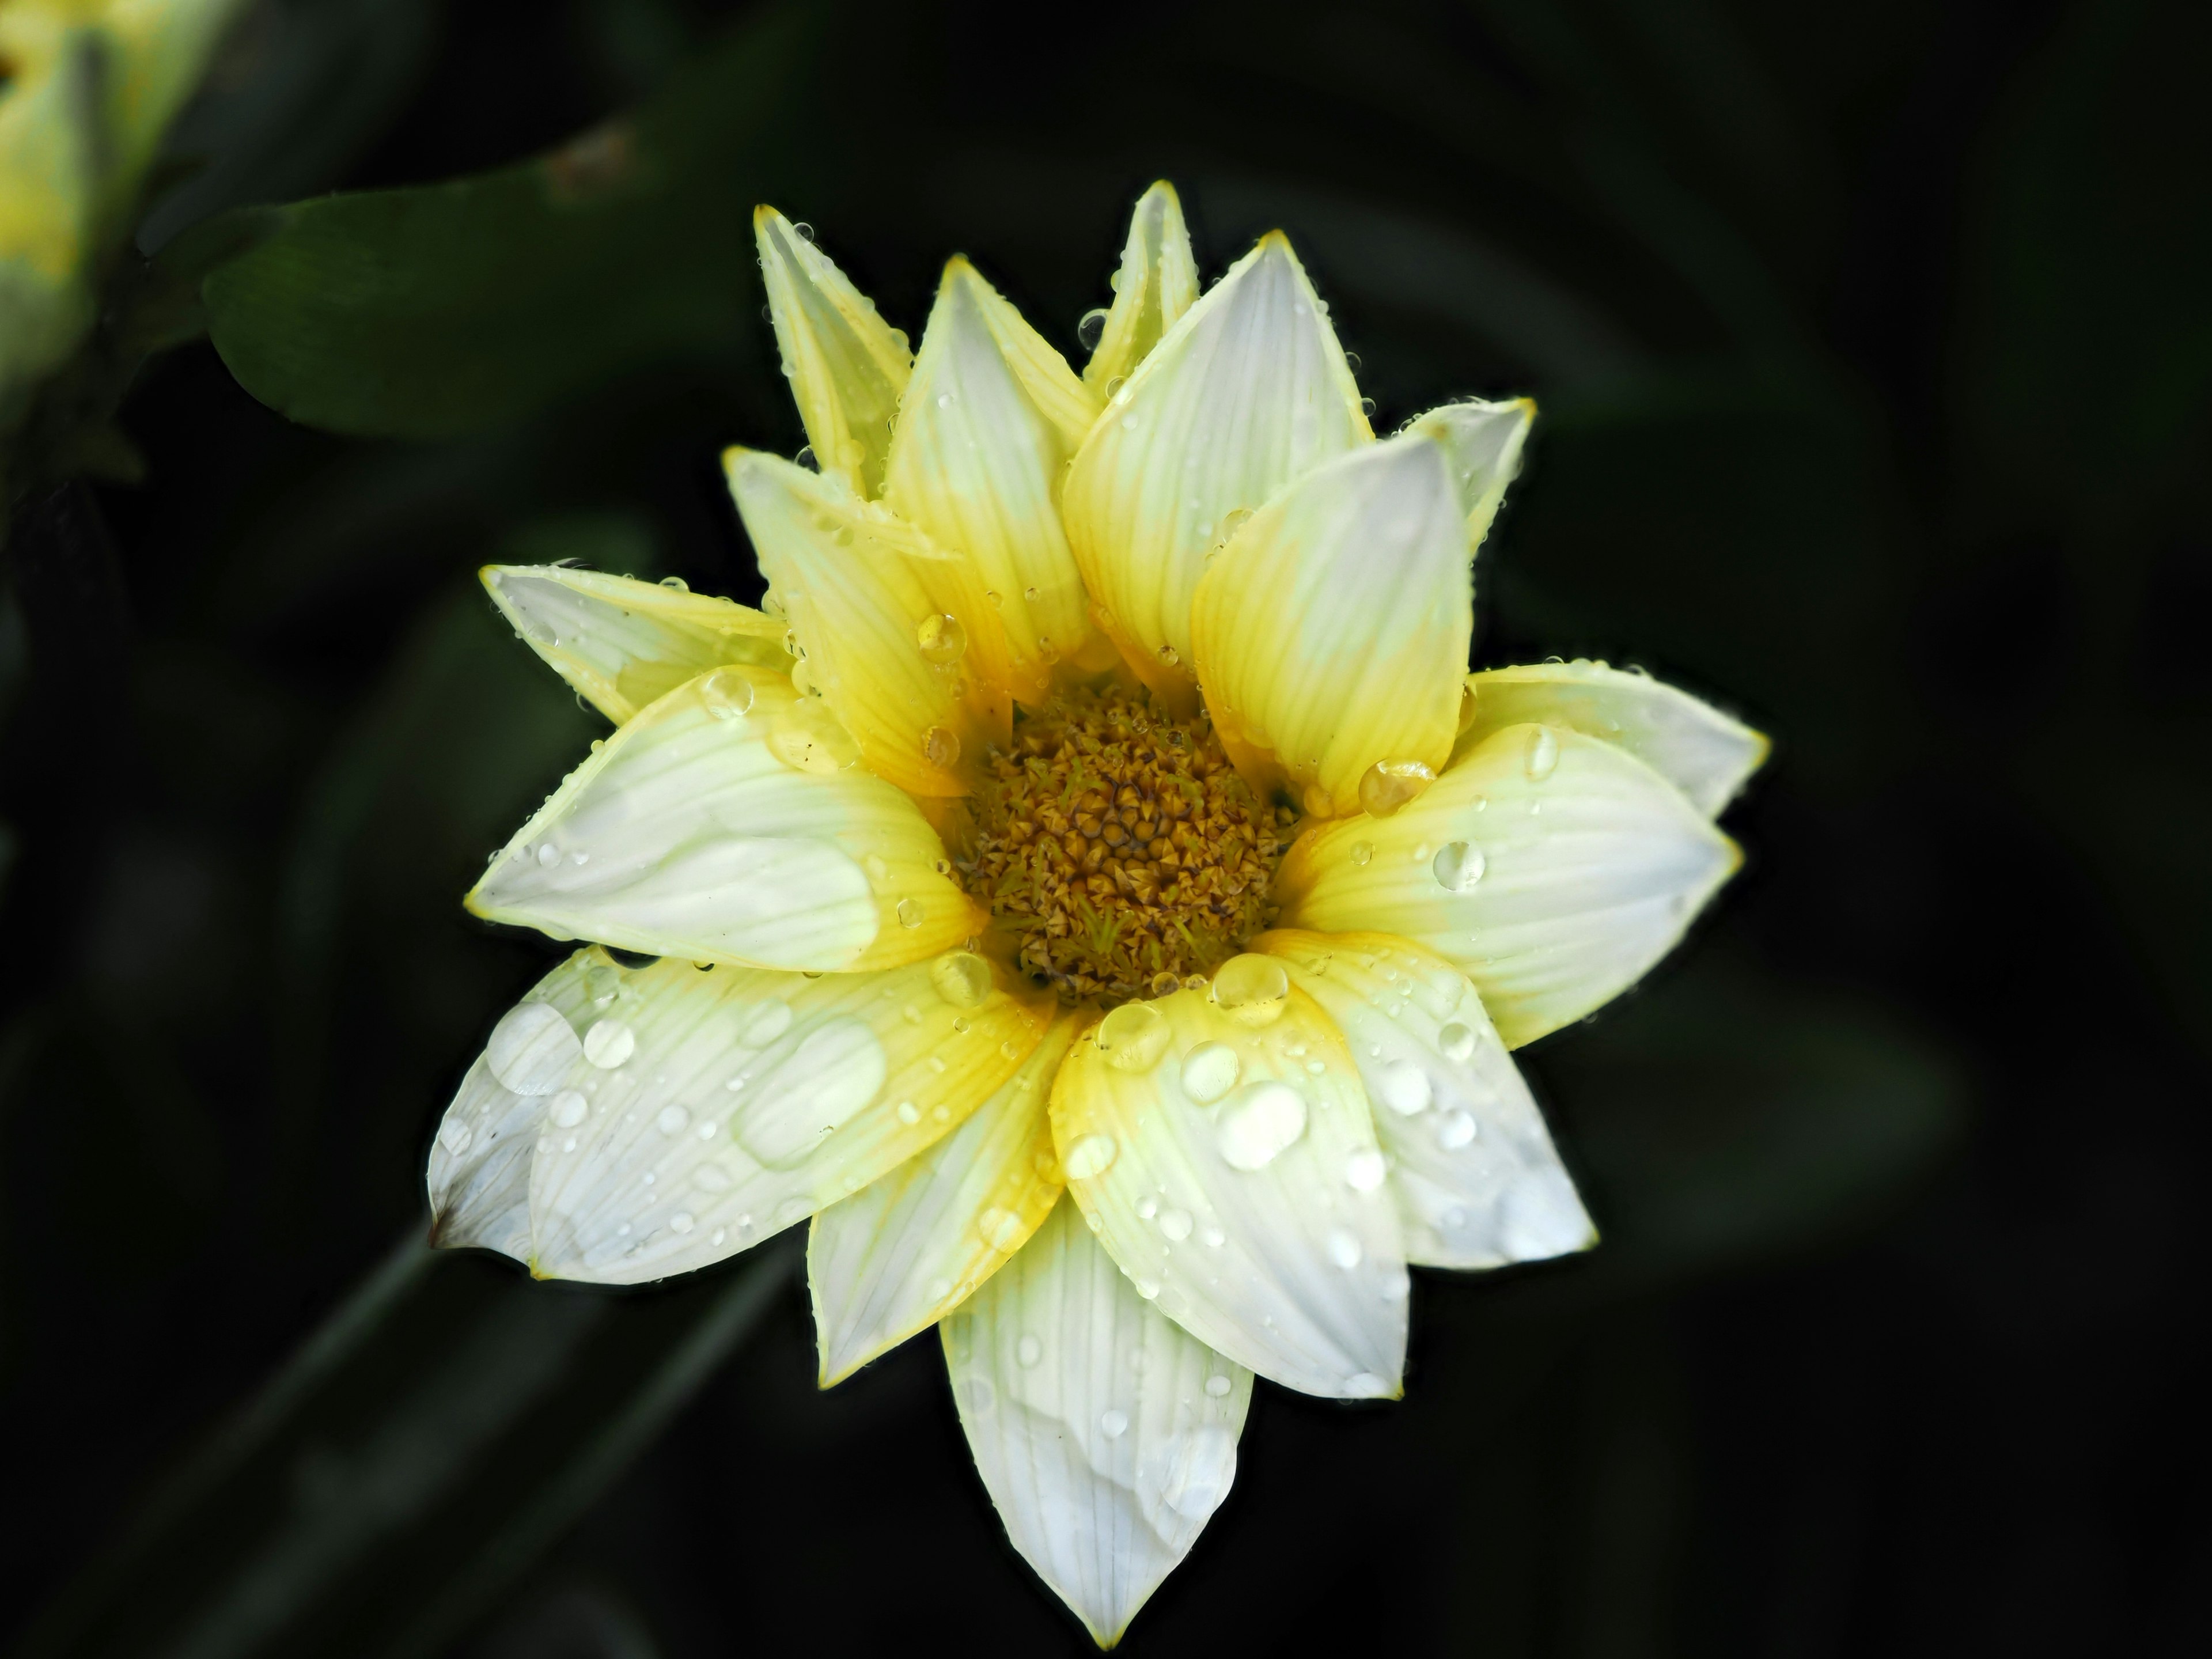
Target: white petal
{"points": [[1249, 391], [1478, 1181], [904, 1251], [1157, 282], [1695, 747], [728, 822], [1106, 1435], [1484, 440], [1236, 1187], [624, 643], [985, 431], [1551, 867]]}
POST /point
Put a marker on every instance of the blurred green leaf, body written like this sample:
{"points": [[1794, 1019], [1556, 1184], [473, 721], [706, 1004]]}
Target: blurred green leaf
{"points": [[451, 307], [446, 1424]]}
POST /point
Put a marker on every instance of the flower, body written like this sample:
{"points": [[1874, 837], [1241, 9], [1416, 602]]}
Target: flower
{"points": [[1094, 892]]}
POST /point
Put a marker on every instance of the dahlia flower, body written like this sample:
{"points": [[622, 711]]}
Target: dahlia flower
{"points": [[1093, 892]]}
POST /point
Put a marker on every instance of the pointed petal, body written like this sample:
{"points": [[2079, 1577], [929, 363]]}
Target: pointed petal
{"points": [[1478, 1181], [984, 435], [664, 1117], [846, 367], [1695, 747], [1553, 868], [730, 823], [1249, 391], [1230, 1168], [1331, 633], [1156, 284], [1106, 1435], [624, 643], [1484, 441], [901, 1253], [867, 595]]}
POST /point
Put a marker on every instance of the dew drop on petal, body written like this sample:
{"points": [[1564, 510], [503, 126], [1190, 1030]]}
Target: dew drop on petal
{"points": [[1093, 1155], [1133, 1036], [1388, 786], [1030, 1351], [1175, 1224], [609, 1043], [681, 1222], [1252, 989], [940, 745], [1147, 1207], [568, 1109], [1088, 332], [672, 1121], [1543, 754], [531, 1048], [1457, 1042], [1260, 1121], [1364, 1170], [1456, 1131], [1457, 865], [727, 694], [1112, 1423], [1344, 1248], [1209, 1072], [909, 1112], [1404, 1088], [1219, 1385], [1362, 851], [910, 913]]}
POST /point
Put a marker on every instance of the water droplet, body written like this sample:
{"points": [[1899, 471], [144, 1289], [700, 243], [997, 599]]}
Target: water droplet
{"points": [[1232, 521], [1456, 1131], [826, 1079], [1543, 754], [976, 1395], [1030, 1351], [672, 1121], [1404, 1088], [1362, 851], [531, 1048], [1466, 708], [455, 1136], [1147, 1207], [1252, 989], [548, 856], [962, 978], [1001, 1229], [1088, 330], [940, 746], [910, 913], [568, 1109], [706, 1130], [1388, 786], [1344, 1250], [1092, 1156], [1133, 1036], [1261, 1121], [1175, 1224], [1217, 1385], [1364, 1170], [808, 738], [909, 1112], [609, 1043], [1457, 865], [1457, 1042], [1112, 1423], [1209, 1072], [1397, 1285], [682, 1222], [1367, 407], [727, 695], [1167, 653]]}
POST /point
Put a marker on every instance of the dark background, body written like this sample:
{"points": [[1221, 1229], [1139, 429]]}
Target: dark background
{"points": [[1874, 345]]}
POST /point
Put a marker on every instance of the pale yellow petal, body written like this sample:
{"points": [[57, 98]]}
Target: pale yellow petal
{"points": [[1701, 751], [846, 366], [867, 596], [623, 643], [904, 1251], [1554, 868], [1331, 633], [731, 821], [1478, 1181], [1246, 392], [985, 433], [1157, 282], [1225, 1156], [1105, 1434], [1484, 441]]}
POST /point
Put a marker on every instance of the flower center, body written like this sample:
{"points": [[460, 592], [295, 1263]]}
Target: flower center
{"points": [[1119, 851]]}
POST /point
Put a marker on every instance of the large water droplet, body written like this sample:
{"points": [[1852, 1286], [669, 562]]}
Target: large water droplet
{"points": [[1389, 785], [531, 1048], [1112, 1423], [1092, 1156], [682, 1222], [1344, 1248], [1088, 332], [548, 856], [1217, 1385], [1543, 754], [1200, 1467], [1252, 989], [910, 913], [727, 694], [1404, 1087], [962, 978], [1209, 1072], [455, 1136], [1457, 865], [1456, 1131], [808, 738], [1364, 1170], [940, 745], [672, 1121], [1000, 1228], [1457, 1042], [1175, 1224], [1133, 1036], [1362, 851], [609, 1043], [832, 1074], [1259, 1124], [568, 1109]]}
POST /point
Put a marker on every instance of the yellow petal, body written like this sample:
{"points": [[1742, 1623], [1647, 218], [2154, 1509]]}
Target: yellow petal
{"points": [[1246, 392], [731, 821], [1478, 1181], [866, 594], [847, 367], [989, 424], [904, 1251], [677, 1116], [1219, 1145], [1553, 868], [1105, 1434], [1331, 633], [1701, 751], [1484, 441], [624, 643], [1156, 284]]}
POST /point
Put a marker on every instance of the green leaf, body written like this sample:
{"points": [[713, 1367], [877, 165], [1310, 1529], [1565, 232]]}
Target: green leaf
{"points": [[448, 308]]}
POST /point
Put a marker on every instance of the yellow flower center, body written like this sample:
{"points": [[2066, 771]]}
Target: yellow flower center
{"points": [[1119, 850]]}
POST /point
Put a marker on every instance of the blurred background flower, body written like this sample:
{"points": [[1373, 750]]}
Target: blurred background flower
{"points": [[1876, 351]]}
